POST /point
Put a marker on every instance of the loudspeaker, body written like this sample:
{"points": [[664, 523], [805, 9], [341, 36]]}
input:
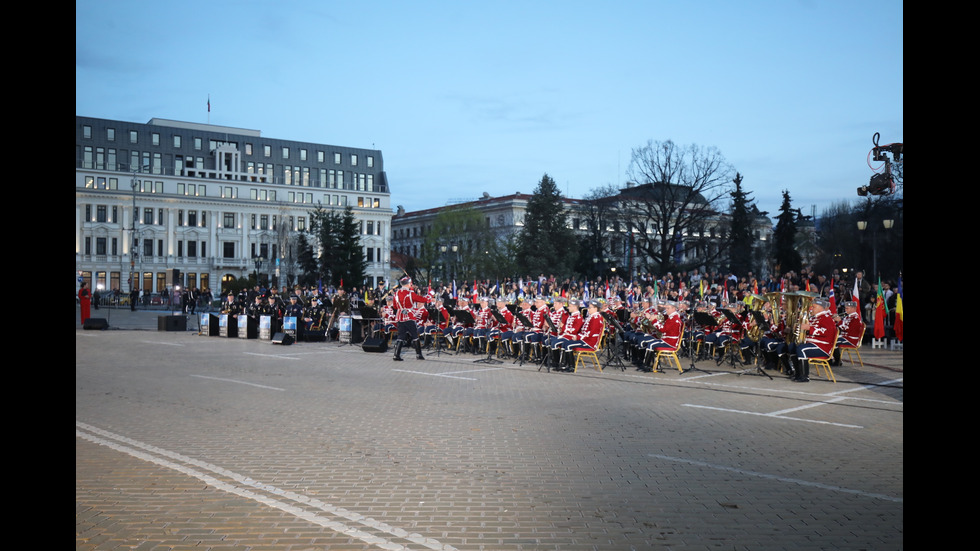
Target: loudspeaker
{"points": [[95, 323], [282, 338], [171, 323], [375, 344]]}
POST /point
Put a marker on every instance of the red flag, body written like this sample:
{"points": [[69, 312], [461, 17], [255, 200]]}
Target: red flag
{"points": [[855, 294], [880, 318]]}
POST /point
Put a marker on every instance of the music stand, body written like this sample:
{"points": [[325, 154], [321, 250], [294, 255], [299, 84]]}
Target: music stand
{"points": [[620, 338], [527, 326], [490, 359], [703, 319], [546, 360], [365, 313], [760, 321], [730, 355], [464, 317]]}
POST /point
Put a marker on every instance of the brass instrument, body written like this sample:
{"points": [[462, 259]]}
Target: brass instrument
{"points": [[797, 307], [755, 332]]}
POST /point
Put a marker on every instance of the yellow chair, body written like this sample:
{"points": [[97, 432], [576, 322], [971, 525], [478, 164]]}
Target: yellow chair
{"points": [[671, 355], [855, 349], [824, 363], [590, 353]]}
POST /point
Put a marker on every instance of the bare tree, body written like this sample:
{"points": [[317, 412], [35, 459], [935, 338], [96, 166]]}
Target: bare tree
{"points": [[673, 206]]}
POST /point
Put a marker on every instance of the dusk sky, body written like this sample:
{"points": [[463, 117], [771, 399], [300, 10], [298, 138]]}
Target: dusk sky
{"points": [[465, 97]]}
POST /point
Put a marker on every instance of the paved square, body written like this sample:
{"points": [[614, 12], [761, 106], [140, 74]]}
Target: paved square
{"points": [[185, 441]]}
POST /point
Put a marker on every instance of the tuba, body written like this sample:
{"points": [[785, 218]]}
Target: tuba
{"points": [[755, 302], [797, 307]]}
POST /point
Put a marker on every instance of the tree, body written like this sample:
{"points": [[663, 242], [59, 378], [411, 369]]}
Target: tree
{"points": [[674, 200], [740, 239], [599, 212], [545, 242], [309, 269], [339, 239], [787, 258]]}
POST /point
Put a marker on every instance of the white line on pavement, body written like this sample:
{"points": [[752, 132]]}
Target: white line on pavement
{"points": [[241, 485], [237, 381], [777, 477]]}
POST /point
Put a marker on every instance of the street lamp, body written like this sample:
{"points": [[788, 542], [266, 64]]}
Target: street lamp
{"points": [[258, 264], [863, 225]]}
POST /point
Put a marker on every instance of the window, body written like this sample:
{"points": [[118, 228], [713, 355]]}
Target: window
{"points": [[229, 220], [302, 154], [248, 149], [267, 150], [353, 159], [148, 216], [228, 249], [177, 141], [336, 158], [285, 153], [133, 137], [198, 144], [155, 138], [320, 156], [301, 223], [100, 213], [86, 131], [110, 134], [370, 161], [100, 246]]}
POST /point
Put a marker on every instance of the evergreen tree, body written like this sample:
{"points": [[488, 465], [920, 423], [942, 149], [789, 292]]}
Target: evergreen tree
{"points": [[784, 238], [740, 233], [308, 266], [546, 243], [341, 254]]}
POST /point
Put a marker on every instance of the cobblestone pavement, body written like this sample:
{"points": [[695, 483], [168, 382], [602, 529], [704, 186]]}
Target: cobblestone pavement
{"points": [[192, 442]]}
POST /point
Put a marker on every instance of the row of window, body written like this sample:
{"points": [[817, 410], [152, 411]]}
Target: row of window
{"points": [[198, 145], [230, 192], [103, 281]]}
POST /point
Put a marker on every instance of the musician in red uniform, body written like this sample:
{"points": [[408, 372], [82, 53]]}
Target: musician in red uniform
{"points": [[850, 329], [821, 332], [588, 337], [569, 332], [407, 318], [503, 331], [670, 329]]}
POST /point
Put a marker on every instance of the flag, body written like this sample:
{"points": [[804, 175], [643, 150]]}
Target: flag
{"points": [[607, 290], [209, 103], [856, 294], [585, 292], [899, 315], [833, 300], [454, 289], [880, 317]]}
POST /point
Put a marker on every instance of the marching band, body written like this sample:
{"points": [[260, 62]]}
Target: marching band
{"points": [[780, 330]]}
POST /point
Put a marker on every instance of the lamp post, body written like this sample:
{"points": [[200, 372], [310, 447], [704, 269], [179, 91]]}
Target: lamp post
{"points": [[862, 225], [258, 264]]}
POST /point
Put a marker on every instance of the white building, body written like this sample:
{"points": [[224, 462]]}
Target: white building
{"points": [[215, 203]]}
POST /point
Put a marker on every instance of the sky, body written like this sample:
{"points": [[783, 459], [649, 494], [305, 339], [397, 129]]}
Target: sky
{"points": [[464, 97]]}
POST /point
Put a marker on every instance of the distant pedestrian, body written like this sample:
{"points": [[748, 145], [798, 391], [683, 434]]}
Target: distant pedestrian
{"points": [[85, 301]]}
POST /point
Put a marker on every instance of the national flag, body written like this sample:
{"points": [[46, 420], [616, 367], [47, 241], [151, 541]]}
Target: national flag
{"points": [[209, 103], [879, 317], [454, 289], [856, 294], [585, 292], [833, 300], [899, 316]]}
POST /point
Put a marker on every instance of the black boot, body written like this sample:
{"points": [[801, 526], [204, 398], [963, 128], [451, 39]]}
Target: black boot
{"points": [[398, 351], [803, 372], [418, 351]]}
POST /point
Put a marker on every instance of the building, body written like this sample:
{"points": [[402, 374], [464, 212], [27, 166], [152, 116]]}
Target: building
{"points": [[623, 221], [216, 203]]}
